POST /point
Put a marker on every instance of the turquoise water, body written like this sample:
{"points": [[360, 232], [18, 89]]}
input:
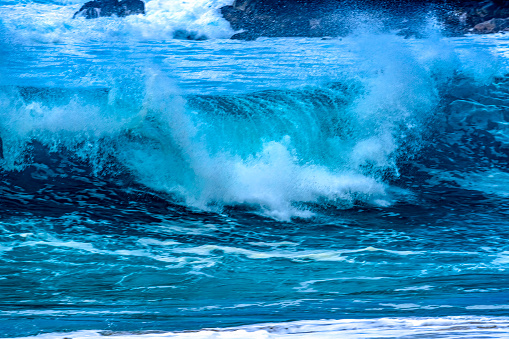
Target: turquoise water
{"points": [[150, 183]]}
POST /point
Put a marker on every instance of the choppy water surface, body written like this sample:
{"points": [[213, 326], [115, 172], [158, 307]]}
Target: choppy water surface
{"points": [[150, 183]]}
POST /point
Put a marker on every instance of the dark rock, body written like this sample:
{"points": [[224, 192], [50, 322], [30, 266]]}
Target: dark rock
{"points": [[131, 7], [273, 18], [247, 36], [410, 33], [312, 18], [186, 35], [104, 8], [97, 8], [491, 26], [236, 17], [472, 13], [317, 18]]}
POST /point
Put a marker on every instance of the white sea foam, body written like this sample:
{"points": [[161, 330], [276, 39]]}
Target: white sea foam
{"points": [[273, 178], [278, 176], [53, 23], [178, 254], [201, 158], [447, 327]]}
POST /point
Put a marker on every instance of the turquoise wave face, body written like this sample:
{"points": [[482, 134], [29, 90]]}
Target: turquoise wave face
{"points": [[279, 152], [183, 185]]}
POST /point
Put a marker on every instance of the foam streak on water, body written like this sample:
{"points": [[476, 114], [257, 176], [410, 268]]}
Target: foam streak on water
{"points": [[449, 327]]}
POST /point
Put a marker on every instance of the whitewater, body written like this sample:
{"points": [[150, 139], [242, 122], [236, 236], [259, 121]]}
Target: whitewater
{"points": [[159, 180]]}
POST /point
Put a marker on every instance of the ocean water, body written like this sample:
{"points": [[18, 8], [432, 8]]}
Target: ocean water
{"points": [[155, 187]]}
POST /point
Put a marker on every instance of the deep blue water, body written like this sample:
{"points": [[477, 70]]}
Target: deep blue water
{"points": [[150, 183]]}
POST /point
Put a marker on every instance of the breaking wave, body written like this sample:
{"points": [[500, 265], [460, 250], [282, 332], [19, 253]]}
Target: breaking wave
{"points": [[282, 152]]}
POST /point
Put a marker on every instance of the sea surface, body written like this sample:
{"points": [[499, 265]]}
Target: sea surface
{"points": [[155, 187]]}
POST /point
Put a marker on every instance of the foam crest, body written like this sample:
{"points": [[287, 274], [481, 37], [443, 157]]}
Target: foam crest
{"points": [[339, 159], [77, 124], [53, 23], [198, 19], [276, 178], [280, 153]]}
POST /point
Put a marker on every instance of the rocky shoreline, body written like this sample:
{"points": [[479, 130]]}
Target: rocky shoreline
{"points": [[320, 18], [104, 8], [331, 18]]}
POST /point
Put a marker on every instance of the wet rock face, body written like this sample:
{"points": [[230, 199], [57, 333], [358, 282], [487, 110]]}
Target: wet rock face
{"points": [[313, 18], [476, 12], [101, 8], [273, 18], [481, 17], [492, 26], [131, 7]]}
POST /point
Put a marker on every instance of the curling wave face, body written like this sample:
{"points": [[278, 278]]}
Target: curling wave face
{"points": [[278, 151]]}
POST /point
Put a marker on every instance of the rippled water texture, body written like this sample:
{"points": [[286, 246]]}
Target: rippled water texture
{"points": [[249, 188]]}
